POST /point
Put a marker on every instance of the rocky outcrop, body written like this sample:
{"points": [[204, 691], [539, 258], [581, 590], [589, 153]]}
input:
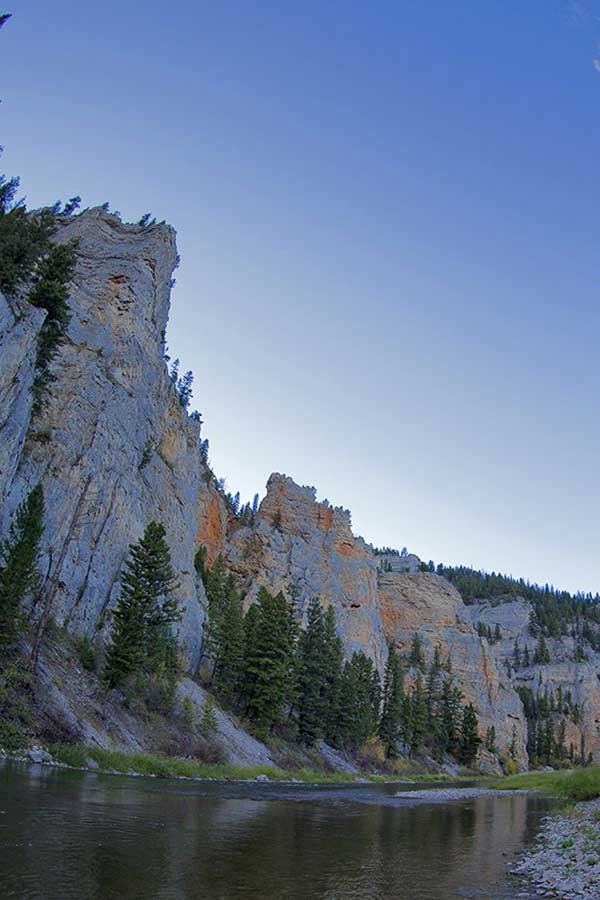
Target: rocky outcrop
{"points": [[581, 679], [298, 543], [212, 519], [112, 447], [430, 606]]}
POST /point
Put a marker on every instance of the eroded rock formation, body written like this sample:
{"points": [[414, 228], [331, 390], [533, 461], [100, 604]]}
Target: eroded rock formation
{"points": [[114, 449]]}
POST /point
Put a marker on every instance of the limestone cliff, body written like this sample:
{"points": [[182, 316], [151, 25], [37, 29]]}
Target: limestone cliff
{"points": [[298, 542], [112, 447], [580, 679]]}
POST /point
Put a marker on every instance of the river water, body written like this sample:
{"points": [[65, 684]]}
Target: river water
{"points": [[68, 835]]}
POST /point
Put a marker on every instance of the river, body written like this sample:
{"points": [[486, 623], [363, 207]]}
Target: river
{"points": [[67, 835]]}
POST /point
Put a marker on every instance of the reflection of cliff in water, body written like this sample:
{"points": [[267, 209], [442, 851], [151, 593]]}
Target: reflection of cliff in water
{"points": [[67, 835]]}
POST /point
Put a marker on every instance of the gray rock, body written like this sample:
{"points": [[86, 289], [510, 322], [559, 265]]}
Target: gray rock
{"points": [[37, 755], [113, 448]]}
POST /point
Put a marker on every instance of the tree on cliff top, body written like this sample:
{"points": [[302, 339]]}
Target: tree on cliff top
{"points": [[147, 608], [19, 574]]}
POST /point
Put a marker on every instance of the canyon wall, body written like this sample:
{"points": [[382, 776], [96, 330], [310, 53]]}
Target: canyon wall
{"points": [[112, 446], [114, 449]]}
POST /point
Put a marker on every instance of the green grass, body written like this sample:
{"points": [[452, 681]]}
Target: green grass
{"points": [[575, 784], [79, 756], [168, 767]]}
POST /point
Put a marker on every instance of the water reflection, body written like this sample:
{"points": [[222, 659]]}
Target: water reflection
{"points": [[70, 835]]}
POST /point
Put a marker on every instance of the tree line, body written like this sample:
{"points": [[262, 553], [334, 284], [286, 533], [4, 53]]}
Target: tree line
{"points": [[260, 663], [546, 715], [555, 613], [265, 667]]}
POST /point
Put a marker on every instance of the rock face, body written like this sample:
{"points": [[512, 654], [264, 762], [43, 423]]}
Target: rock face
{"points": [[580, 679], [113, 448], [299, 542], [19, 328], [432, 607]]}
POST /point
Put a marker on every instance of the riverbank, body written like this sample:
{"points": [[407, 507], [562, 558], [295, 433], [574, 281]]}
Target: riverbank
{"points": [[565, 862], [97, 759], [571, 784]]}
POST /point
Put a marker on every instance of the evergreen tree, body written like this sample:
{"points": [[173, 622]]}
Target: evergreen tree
{"points": [[542, 653], [255, 504], [19, 576], [526, 659], [269, 661], [360, 699], [334, 660], [469, 738], [416, 656], [390, 724], [312, 675], [450, 718], [418, 716], [142, 638], [516, 655], [490, 739], [51, 292], [230, 651]]}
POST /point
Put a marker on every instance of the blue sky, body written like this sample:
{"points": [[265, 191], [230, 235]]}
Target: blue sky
{"points": [[387, 215]]}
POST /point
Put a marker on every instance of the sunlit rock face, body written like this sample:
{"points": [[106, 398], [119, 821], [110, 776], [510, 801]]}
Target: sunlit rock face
{"points": [[429, 605], [113, 448], [299, 544]]}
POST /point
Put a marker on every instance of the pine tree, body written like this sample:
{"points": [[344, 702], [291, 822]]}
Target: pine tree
{"points": [[255, 505], [393, 703], [269, 660], [450, 718], [542, 653], [490, 739], [230, 652], [216, 587], [516, 654], [51, 292], [334, 660], [416, 656], [418, 716], [526, 659], [19, 576], [312, 675], [469, 738], [360, 700], [142, 639]]}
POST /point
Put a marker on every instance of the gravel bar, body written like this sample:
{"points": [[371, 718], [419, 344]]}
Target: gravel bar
{"points": [[566, 861]]}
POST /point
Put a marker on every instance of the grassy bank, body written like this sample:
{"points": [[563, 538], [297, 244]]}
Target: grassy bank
{"points": [[576, 784], [83, 757]]}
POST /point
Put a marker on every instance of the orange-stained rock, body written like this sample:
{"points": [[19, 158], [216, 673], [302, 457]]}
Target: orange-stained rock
{"points": [[212, 521]]}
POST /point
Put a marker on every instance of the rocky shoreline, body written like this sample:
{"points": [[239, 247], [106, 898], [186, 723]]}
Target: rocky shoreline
{"points": [[566, 861]]}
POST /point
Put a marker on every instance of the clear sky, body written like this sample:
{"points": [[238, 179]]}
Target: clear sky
{"points": [[387, 215]]}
